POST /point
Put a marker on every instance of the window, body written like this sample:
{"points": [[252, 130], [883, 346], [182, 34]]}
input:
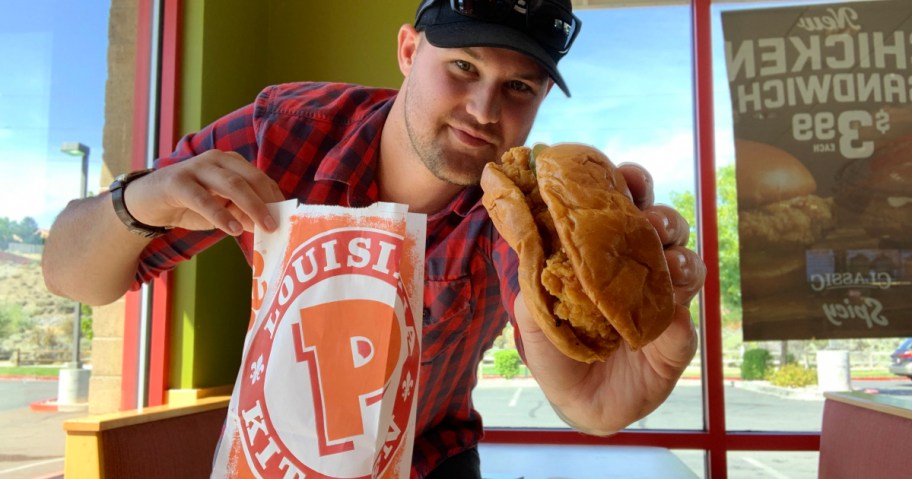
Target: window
{"points": [[632, 97], [52, 100]]}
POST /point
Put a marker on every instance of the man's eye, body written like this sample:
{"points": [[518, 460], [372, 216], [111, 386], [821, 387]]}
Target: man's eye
{"points": [[519, 86], [463, 65]]}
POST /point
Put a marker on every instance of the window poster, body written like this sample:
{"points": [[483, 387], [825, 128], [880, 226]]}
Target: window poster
{"points": [[823, 160]]}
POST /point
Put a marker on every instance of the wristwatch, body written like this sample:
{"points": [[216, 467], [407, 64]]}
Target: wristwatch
{"points": [[117, 189]]}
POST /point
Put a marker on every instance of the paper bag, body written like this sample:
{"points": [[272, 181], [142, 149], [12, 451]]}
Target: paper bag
{"points": [[328, 381]]}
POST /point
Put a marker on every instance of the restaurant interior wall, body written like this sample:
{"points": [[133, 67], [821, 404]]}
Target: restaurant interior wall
{"points": [[230, 50]]}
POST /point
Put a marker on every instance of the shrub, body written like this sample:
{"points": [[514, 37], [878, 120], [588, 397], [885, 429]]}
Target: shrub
{"points": [[506, 363], [793, 376], [755, 364]]}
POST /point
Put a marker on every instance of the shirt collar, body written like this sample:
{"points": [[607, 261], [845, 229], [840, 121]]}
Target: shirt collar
{"points": [[353, 160]]}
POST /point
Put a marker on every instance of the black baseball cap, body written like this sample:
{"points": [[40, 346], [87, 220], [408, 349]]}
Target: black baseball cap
{"points": [[541, 29]]}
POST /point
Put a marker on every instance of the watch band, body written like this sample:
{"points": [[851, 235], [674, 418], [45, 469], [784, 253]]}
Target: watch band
{"points": [[120, 206]]}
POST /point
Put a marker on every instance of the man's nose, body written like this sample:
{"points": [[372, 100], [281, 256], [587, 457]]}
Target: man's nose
{"points": [[484, 104]]}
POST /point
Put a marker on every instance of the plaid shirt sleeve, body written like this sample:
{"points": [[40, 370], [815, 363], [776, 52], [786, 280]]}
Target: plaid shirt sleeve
{"points": [[322, 120], [233, 132]]}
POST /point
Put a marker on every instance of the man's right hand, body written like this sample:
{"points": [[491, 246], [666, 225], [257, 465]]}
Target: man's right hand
{"points": [[213, 190], [92, 257]]}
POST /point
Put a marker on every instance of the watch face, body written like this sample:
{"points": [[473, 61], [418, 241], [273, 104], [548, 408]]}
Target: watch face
{"points": [[123, 180]]}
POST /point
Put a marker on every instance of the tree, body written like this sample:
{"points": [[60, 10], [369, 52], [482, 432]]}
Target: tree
{"points": [[6, 233], [507, 363], [729, 255], [727, 220], [27, 231], [85, 323], [13, 320]]}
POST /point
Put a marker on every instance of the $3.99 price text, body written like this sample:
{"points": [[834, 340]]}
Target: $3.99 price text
{"points": [[840, 132]]}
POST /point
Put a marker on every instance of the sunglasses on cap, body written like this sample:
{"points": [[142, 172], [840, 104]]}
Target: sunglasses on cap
{"points": [[551, 24]]}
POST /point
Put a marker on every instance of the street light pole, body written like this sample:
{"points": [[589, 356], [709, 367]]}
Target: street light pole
{"points": [[78, 149]]}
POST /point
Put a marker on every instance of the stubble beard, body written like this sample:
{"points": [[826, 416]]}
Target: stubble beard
{"points": [[431, 153]]}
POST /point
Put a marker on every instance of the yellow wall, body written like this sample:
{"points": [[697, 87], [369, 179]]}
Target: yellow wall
{"points": [[231, 50], [349, 41]]}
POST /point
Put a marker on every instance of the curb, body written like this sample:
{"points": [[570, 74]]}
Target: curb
{"points": [[29, 378], [811, 394], [51, 405], [48, 405]]}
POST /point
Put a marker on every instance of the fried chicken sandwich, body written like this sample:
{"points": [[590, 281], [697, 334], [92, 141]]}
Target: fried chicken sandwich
{"points": [[591, 266]]}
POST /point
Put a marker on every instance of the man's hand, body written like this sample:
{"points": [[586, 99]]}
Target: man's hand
{"points": [[90, 256], [604, 397], [213, 190]]}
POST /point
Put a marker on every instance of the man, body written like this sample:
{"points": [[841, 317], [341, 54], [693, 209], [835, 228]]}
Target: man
{"points": [[473, 82]]}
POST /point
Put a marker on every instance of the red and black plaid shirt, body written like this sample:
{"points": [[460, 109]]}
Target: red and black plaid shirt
{"points": [[320, 142]]}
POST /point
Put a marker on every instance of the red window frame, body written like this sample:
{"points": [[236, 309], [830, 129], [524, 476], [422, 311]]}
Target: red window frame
{"points": [[167, 55]]}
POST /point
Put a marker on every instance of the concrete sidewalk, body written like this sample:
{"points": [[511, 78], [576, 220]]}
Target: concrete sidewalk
{"points": [[32, 443]]}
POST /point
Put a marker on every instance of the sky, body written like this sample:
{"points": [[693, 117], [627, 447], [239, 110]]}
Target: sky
{"points": [[631, 83], [629, 74], [54, 57]]}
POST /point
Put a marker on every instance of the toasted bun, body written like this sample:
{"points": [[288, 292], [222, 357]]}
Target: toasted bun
{"points": [[615, 252], [766, 174], [510, 213]]}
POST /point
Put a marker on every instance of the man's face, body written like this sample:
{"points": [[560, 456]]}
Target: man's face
{"points": [[465, 107]]}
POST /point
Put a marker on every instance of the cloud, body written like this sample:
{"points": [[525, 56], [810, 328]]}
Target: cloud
{"points": [[669, 158]]}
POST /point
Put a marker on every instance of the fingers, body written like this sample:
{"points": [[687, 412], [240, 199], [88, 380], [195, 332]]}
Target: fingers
{"points": [[639, 181], [213, 190], [232, 194], [688, 273], [672, 228]]}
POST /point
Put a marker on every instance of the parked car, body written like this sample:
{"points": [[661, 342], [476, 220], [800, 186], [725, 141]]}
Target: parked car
{"points": [[902, 359]]}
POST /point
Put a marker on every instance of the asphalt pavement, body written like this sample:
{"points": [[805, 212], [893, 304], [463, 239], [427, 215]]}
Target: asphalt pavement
{"points": [[750, 406], [31, 442]]}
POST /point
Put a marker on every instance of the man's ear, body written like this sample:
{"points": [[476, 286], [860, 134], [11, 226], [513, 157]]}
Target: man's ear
{"points": [[409, 39]]}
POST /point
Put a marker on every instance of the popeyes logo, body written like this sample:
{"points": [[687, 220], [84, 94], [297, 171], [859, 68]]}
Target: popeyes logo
{"points": [[333, 356]]}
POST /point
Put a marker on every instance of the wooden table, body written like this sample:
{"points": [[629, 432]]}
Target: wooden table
{"points": [[545, 461]]}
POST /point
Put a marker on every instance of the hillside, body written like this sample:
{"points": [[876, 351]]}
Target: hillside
{"points": [[24, 300]]}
